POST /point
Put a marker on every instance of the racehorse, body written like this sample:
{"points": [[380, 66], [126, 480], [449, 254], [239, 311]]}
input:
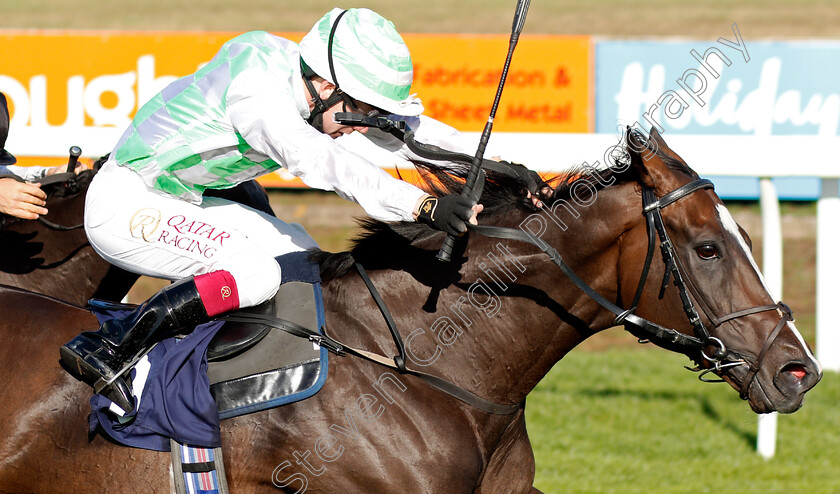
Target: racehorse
{"points": [[492, 322], [52, 255]]}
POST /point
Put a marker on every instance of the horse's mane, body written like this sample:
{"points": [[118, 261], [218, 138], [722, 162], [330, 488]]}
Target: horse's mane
{"points": [[70, 187], [502, 196]]}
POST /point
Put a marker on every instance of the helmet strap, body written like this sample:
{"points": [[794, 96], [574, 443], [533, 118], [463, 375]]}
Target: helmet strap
{"points": [[316, 116]]}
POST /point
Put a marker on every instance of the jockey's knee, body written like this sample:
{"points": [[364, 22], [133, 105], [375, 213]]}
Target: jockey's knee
{"points": [[257, 279]]}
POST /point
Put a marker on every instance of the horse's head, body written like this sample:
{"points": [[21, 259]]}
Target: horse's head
{"points": [[708, 285]]}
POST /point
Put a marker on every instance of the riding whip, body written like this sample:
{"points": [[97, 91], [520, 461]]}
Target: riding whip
{"points": [[75, 152], [445, 253]]}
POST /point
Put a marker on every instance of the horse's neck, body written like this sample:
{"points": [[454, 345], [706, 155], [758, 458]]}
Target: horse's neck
{"points": [[511, 314], [541, 314]]}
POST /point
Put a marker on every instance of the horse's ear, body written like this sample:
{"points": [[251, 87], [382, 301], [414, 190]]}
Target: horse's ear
{"points": [[648, 157], [659, 144]]}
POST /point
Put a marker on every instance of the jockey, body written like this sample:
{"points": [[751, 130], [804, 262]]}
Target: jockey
{"points": [[261, 104]]}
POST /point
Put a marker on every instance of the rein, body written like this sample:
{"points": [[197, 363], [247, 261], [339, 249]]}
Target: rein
{"points": [[720, 359], [53, 179]]}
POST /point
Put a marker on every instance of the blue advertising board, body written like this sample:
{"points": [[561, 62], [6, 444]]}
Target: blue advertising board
{"points": [[727, 86]]}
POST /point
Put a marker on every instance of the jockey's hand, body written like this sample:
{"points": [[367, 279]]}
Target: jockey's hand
{"points": [[546, 191], [448, 213], [531, 179], [22, 199]]}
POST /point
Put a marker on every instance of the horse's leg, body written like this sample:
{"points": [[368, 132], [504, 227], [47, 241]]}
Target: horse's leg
{"points": [[511, 467]]}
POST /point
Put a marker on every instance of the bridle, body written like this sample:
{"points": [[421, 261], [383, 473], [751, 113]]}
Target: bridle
{"points": [[721, 358]]}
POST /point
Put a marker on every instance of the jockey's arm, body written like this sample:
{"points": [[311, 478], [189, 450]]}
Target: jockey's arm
{"points": [[428, 131], [271, 123]]}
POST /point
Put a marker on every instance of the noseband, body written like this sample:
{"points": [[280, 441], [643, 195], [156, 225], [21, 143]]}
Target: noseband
{"points": [[721, 358]]}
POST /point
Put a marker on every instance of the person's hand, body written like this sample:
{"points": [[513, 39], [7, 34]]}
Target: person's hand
{"points": [[448, 213], [22, 199], [80, 167], [529, 177], [546, 191]]}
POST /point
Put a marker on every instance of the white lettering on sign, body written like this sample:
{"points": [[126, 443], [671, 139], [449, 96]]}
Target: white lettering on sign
{"points": [[84, 98], [754, 112]]}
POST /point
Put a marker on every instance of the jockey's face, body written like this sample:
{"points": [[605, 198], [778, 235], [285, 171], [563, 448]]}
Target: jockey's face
{"points": [[331, 127]]}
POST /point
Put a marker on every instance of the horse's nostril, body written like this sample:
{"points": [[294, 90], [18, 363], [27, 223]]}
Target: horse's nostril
{"points": [[796, 370]]}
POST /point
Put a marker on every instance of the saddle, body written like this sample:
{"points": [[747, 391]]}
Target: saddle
{"points": [[255, 362]]}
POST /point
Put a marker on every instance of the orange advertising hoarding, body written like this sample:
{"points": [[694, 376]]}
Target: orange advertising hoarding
{"points": [[94, 79], [89, 84], [547, 87]]}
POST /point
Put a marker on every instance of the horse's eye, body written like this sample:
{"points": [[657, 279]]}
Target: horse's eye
{"points": [[707, 251]]}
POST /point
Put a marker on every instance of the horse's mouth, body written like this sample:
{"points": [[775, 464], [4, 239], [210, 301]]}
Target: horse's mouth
{"points": [[783, 393]]}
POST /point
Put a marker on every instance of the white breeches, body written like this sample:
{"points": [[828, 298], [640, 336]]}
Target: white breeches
{"points": [[157, 235]]}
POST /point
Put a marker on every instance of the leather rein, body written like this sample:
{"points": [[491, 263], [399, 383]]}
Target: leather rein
{"points": [[58, 178], [52, 179]]}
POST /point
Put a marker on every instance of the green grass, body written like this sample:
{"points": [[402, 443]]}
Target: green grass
{"points": [[705, 19], [633, 421]]}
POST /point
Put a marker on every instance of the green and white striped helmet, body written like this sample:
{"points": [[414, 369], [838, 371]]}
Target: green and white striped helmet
{"points": [[369, 59]]}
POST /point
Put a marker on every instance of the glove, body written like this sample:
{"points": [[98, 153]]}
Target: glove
{"points": [[448, 213]]}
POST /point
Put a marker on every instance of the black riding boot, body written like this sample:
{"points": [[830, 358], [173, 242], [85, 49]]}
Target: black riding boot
{"points": [[100, 358]]}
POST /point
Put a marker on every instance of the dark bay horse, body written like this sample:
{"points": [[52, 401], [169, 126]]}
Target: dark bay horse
{"points": [[52, 255], [494, 322]]}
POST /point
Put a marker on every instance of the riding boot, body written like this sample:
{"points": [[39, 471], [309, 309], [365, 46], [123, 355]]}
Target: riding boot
{"points": [[100, 358]]}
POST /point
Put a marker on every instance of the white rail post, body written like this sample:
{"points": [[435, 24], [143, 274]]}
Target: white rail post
{"points": [[771, 223], [828, 269]]}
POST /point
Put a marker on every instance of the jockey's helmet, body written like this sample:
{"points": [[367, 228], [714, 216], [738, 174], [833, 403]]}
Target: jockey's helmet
{"points": [[361, 53]]}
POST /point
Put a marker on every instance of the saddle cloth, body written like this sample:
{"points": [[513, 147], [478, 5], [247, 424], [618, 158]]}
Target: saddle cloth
{"points": [[222, 369]]}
